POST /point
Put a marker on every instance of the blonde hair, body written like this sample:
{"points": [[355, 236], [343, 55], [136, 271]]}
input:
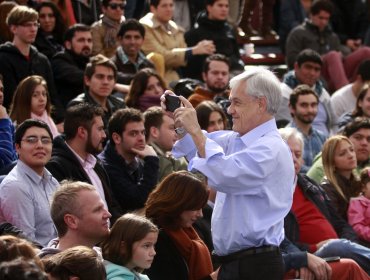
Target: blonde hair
{"points": [[328, 155]]}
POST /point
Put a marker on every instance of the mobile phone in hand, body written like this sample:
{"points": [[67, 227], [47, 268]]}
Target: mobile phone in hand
{"points": [[172, 102]]}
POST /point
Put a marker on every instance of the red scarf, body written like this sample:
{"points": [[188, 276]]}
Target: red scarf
{"points": [[194, 251]]}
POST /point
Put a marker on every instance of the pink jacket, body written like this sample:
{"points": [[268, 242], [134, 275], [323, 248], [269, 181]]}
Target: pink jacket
{"points": [[359, 216]]}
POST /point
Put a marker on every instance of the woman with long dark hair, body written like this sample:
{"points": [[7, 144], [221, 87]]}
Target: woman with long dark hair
{"points": [[146, 90], [174, 205], [49, 39]]}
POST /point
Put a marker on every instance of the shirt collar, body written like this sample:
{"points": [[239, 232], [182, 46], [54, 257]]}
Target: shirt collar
{"points": [[36, 178], [88, 163], [124, 58], [170, 26], [258, 132]]}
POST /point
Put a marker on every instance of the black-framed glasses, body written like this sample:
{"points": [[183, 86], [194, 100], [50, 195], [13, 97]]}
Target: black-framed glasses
{"points": [[115, 6], [34, 140]]}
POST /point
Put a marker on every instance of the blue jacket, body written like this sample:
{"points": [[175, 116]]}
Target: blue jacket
{"points": [[118, 272]]}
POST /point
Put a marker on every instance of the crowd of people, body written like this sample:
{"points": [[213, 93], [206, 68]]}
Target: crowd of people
{"points": [[249, 177]]}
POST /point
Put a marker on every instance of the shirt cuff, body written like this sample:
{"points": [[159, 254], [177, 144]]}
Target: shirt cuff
{"points": [[183, 147], [211, 149]]}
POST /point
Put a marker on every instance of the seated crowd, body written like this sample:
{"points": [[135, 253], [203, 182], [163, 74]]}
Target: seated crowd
{"points": [[99, 179]]}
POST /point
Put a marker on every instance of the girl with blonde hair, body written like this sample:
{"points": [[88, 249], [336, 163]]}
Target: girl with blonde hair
{"points": [[339, 161]]}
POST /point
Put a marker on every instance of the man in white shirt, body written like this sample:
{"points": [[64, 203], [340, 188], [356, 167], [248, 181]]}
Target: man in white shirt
{"points": [[248, 168], [25, 193], [344, 99]]}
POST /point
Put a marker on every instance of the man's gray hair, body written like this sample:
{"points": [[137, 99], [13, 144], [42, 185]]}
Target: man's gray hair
{"points": [[259, 82], [291, 132]]}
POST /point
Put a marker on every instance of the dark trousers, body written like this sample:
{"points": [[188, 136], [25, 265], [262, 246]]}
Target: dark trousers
{"points": [[261, 266]]}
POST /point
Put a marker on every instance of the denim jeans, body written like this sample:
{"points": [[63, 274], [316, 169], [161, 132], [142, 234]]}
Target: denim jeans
{"points": [[346, 249]]}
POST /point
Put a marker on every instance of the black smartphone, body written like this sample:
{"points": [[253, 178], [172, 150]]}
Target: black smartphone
{"points": [[172, 102], [332, 259]]}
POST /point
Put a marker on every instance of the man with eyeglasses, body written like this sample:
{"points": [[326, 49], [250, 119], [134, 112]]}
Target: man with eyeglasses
{"points": [[25, 193], [20, 59], [131, 164], [104, 31]]}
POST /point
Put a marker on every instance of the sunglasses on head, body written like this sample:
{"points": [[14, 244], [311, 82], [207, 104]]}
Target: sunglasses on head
{"points": [[115, 6]]}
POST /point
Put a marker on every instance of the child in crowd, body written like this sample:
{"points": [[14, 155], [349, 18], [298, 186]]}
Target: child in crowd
{"points": [[359, 208], [80, 263], [129, 249], [31, 100]]}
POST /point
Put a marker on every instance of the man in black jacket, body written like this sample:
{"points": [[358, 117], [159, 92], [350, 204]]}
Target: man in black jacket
{"points": [[73, 156], [19, 59], [213, 25], [132, 165], [312, 224], [100, 77], [69, 65]]}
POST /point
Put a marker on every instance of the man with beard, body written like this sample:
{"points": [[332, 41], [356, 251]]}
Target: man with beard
{"points": [[216, 75], [69, 65], [303, 108], [73, 155], [307, 70], [132, 165]]}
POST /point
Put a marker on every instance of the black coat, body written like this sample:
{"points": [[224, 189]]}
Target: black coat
{"points": [[130, 190], [64, 165], [68, 70], [168, 263], [47, 44], [14, 67], [114, 104], [224, 38]]}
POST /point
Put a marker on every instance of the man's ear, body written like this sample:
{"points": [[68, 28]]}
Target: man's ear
{"points": [[204, 76], [86, 81], [71, 221], [82, 132], [13, 28], [117, 139], [154, 132], [296, 66], [17, 148], [68, 45], [262, 104]]}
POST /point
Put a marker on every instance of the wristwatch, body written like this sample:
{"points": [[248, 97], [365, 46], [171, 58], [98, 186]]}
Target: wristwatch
{"points": [[180, 131]]}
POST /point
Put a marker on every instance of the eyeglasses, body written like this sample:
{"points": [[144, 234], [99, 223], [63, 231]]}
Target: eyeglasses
{"points": [[30, 24], [34, 140], [115, 6]]}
